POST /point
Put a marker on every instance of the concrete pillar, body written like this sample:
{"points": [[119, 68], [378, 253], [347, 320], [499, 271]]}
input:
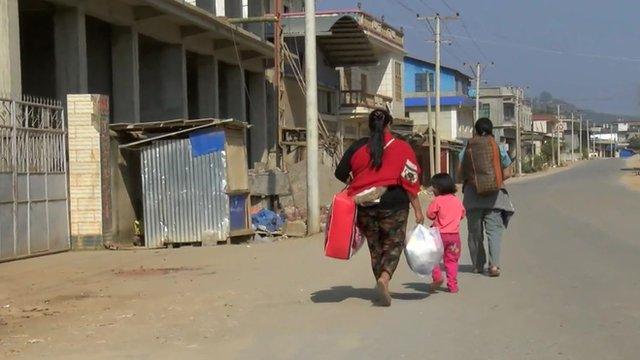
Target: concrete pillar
{"points": [[70, 51], [126, 74], [208, 103], [207, 5], [173, 94], [272, 122], [234, 93], [258, 117], [256, 9], [10, 74], [233, 8]]}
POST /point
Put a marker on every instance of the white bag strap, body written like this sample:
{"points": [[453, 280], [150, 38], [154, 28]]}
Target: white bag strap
{"points": [[389, 143]]}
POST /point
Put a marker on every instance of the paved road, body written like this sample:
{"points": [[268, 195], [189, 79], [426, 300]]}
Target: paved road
{"points": [[570, 290]]}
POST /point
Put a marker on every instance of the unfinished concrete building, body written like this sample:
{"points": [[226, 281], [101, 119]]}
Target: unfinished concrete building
{"points": [[155, 59]]}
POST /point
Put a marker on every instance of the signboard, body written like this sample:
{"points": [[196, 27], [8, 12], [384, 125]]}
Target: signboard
{"points": [[623, 127]]}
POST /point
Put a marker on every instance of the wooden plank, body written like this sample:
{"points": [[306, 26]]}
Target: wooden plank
{"points": [[237, 168]]}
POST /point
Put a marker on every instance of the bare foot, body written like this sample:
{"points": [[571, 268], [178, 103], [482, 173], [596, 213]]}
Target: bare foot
{"points": [[383, 289]]}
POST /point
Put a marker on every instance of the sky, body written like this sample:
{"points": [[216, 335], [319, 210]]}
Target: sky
{"points": [[586, 52]]}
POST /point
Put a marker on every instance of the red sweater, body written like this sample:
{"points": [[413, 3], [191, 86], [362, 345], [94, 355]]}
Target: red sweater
{"points": [[399, 167]]}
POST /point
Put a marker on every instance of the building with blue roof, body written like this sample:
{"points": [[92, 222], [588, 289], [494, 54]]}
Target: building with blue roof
{"points": [[456, 121]]}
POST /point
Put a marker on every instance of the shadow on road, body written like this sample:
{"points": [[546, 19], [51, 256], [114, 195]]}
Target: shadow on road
{"points": [[423, 287], [341, 293], [465, 269]]}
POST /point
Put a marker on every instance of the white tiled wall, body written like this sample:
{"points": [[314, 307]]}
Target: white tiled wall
{"points": [[380, 80], [448, 124]]}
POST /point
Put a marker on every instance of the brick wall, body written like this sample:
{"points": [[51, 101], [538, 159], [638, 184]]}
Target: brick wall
{"points": [[86, 123]]}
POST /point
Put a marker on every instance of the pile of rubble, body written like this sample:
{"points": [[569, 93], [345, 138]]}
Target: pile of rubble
{"points": [[279, 198]]}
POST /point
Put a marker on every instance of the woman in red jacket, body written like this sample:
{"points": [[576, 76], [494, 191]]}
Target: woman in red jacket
{"points": [[384, 181]]}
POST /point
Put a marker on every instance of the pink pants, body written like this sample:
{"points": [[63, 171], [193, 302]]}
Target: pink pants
{"points": [[450, 258]]}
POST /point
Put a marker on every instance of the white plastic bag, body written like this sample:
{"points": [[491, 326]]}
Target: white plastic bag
{"points": [[424, 249]]}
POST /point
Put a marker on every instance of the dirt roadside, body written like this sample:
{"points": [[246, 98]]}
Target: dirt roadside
{"points": [[174, 303]]}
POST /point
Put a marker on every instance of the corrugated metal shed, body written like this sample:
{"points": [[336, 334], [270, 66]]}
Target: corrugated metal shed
{"points": [[184, 197], [194, 178]]}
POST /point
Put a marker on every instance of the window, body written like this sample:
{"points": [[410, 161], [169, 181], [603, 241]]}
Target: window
{"points": [[485, 110], [509, 112], [397, 78], [421, 82], [425, 82]]}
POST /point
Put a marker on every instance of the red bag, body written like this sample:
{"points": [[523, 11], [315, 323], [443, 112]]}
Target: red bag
{"points": [[342, 236]]}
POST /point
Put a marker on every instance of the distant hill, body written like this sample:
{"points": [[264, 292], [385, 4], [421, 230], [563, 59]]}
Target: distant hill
{"points": [[547, 104]]}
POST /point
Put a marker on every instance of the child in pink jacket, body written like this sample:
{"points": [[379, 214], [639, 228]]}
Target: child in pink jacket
{"points": [[446, 211]]}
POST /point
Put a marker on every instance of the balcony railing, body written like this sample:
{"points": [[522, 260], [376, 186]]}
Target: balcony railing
{"points": [[357, 98]]}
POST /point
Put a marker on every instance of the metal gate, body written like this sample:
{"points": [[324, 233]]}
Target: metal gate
{"points": [[34, 209]]}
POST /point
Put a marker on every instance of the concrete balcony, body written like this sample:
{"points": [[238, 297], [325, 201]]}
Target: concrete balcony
{"points": [[351, 99]]}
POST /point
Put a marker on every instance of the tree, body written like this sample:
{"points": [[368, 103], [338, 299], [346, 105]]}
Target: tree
{"points": [[634, 143]]}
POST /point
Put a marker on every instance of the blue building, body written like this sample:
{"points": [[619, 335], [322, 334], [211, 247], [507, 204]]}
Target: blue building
{"points": [[456, 115], [456, 119]]}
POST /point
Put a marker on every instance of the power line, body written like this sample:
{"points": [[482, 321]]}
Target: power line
{"points": [[551, 51], [406, 7], [428, 6], [452, 53], [448, 6], [462, 49], [466, 30]]}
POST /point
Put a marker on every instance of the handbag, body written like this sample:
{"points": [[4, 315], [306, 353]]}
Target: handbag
{"points": [[342, 236]]}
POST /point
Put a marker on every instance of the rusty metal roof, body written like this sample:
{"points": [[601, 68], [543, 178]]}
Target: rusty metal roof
{"points": [[146, 133]]}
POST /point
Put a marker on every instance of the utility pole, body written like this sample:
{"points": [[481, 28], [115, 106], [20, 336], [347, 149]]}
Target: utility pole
{"points": [[518, 134], [553, 149], [581, 139], [438, 155], [560, 130], [478, 74], [612, 141], [432, 168], [595, 143], [573, 158], [438, 42], [313, 198], [588, 141], [278, 85]]}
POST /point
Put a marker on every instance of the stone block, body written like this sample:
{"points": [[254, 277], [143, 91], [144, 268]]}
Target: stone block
{"points": [[295, 228], [328, 184], [269, 183]]}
